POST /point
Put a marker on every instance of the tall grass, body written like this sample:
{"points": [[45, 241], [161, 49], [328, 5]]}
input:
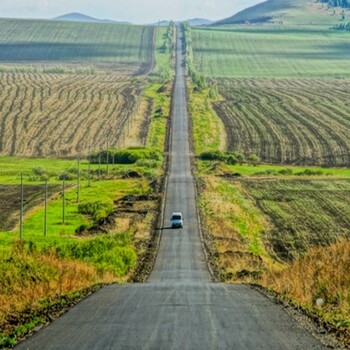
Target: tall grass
{"points": [[319, 281], [29, 272]]}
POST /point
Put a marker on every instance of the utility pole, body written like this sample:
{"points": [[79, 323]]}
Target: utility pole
{"points": [[46, 205], [78, 182], [21, 209], [89, 169], [107, 168], [64, 199], [99, 163]]}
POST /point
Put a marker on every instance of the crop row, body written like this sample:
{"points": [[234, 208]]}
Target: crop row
{"points": [[34, 41], [271, 52], [303, 213], [301, 122], [65, 115]]}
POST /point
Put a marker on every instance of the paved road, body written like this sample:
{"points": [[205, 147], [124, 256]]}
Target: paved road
{"points": [[179, 307]]}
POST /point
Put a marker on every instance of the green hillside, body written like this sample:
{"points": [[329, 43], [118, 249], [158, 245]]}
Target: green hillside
{"points": [[287, 12], [33, 41], [271, 52]]}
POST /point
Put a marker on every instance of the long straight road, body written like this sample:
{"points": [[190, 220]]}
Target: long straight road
{"points": [[180, 307]]}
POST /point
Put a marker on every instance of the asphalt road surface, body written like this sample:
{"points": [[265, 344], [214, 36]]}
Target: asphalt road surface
{"points": [[179, 307]]}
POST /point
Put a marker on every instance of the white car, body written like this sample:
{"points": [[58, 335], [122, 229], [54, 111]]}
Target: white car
{"points": [[177, 220]]}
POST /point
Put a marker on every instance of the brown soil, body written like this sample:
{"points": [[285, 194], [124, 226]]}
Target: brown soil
{"points": [[66, 115], [10, 202]]}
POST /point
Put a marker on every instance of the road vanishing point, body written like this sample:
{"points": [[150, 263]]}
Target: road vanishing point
{"points": [[179, 307]]}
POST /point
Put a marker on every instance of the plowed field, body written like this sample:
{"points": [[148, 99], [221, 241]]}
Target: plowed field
{"points": [[65, 115], [301, 122], [304, 213]]}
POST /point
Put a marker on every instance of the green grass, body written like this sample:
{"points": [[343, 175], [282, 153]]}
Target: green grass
{"points": [[164, 66], [101, 191], [271, 52], [160, 114], [205, 122], [12, 167], [272, 170], [51, 41], [105, 191]]}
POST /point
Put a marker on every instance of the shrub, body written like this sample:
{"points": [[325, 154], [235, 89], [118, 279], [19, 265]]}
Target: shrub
{"points": [[66, 176], [309, 172], [38, 171], [128, 156], [227, 157], [96, 210]]}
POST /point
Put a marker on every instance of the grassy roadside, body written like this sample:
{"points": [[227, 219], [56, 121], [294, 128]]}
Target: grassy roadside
{"points": [[205, 121]]}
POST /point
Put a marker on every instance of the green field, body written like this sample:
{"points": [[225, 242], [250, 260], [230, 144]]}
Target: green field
{"points": [[52, 42], [271, 52]]}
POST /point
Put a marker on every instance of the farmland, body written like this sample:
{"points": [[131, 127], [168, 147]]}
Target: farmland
{"points": [[304, 213], [111, 47], [304, 122], [65, 115], [271, 52]]}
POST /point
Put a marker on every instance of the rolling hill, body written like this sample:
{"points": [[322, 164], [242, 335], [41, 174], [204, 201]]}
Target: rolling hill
{"points": [[79, 17], [304, 12], [194, 22], [106, 46]]}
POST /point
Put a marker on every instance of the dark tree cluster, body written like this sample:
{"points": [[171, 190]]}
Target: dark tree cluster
{"points": [[337, 3], [343, 26]]}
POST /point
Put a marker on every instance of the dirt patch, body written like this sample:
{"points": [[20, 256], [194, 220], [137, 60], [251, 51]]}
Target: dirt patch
{"points": [[10, 196]]}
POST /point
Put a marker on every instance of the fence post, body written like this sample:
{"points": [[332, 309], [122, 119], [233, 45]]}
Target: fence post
{"points": [[46, 205], [21, 209], [107, 167], [78, 182], [64, 200], [89, 169], [99, 163]]}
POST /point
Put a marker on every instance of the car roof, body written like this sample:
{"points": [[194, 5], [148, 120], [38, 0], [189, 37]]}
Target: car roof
{"points": [[176, 213]]}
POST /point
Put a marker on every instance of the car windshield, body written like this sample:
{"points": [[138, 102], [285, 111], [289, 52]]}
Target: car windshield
{"points": [[176, 217]]}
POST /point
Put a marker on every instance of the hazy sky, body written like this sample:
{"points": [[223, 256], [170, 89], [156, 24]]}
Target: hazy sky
{"points": [[136, 11]]}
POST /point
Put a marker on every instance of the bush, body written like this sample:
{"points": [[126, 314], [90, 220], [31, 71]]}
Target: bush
{"points": [[286, 172], [66, 176], [128, 156], [227, 157], [38, 171], [97, 210], [309, 172]]}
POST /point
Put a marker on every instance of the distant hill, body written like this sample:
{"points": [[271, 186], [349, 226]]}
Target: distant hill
{"points": [[79, 17], [199, 22], [193, 22], [285, 11]]}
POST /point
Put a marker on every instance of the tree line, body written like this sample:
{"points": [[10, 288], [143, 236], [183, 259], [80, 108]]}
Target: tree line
{"points": [[336, 3]]}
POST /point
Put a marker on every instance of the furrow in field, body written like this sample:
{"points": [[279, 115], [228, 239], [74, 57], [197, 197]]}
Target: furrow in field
{"points": [[287, 121], [61, 115]]}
